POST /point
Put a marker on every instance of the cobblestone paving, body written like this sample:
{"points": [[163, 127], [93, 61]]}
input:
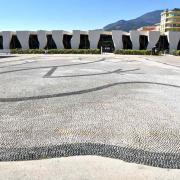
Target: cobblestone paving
{"points": [[121, 107]]}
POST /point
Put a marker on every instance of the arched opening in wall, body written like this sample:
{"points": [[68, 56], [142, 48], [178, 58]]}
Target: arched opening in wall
{"points": [[84, 42], [50, 42], [1, 42], [178, 47], [33, 42], [127, 44], [15, 44], [162, 43], [67, 41], [106, 42], [143, 41]]}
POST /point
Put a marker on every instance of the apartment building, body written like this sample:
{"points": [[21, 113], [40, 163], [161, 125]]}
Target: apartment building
{"points": [[170, 20]]}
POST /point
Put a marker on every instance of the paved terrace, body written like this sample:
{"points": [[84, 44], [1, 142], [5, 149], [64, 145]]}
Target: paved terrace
{"points": [[121, 107]]}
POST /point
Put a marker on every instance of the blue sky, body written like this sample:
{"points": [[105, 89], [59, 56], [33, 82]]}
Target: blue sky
{"points": [[73, 14]]}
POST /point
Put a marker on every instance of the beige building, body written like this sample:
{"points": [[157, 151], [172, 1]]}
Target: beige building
{"points": [[170, 20]]}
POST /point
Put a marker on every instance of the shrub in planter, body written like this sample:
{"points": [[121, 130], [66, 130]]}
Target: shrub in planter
{"points": [[176, 53], [55, 51], [132, 52], [27, 51]]}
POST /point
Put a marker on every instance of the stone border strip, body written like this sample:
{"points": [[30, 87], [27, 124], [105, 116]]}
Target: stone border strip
{"points": [[163, 160]]}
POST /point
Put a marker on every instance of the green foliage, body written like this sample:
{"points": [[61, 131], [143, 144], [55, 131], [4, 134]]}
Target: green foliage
{"points": [[55, 51], [132, 52], [74, 51], [176, 52], [27, 51]]}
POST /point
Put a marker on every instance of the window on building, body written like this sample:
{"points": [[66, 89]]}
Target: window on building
{"points": [[127, 44], [67, 41], [33, 42], [15, 44], [178, 47], [84, 42], [162, 43], [143, 41], [106, 42], [50, 43], [1, 42]]}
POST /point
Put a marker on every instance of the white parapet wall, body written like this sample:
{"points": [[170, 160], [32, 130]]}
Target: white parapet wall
{"points": [[75, 41], [173, 39], [153, 37], [94, 37], [42, 38], [57, 36], [7, 36], [134, 36], [23, 37], [76, 37], [117, 38]]}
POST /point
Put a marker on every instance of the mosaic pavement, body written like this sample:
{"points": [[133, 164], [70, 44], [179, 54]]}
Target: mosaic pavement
{"points": [[120, 107]]}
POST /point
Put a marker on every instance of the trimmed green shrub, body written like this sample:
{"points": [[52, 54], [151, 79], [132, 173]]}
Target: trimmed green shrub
{"points": [[73, 51], [55, 51], [176, 53], [132, 52], [27, 51]]}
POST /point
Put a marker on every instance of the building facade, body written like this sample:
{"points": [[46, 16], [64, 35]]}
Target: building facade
{"points": [[59, 39], [170, 20], [155, 27]]}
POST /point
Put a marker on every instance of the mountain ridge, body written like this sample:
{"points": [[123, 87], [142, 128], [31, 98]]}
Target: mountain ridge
{"points": [[149, 18]]}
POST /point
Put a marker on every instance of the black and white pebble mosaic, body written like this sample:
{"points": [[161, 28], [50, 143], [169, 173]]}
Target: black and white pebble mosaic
{"points": [[163, 160], [119, 108]]}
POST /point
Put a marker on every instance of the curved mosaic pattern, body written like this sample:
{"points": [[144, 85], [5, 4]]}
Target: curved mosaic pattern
{"points": [[117, 71], [45, 67], [162, 160], [162, 63], [80, 92], [118, 108]]}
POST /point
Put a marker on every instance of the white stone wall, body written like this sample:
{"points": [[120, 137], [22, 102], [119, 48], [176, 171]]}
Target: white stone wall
{"points": [[153, 37], [42, 38], [94, 37], [23, 37], [134, 36], [75, 41], [173, 39], [58, 38], [117, 39], [7, 35]]}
